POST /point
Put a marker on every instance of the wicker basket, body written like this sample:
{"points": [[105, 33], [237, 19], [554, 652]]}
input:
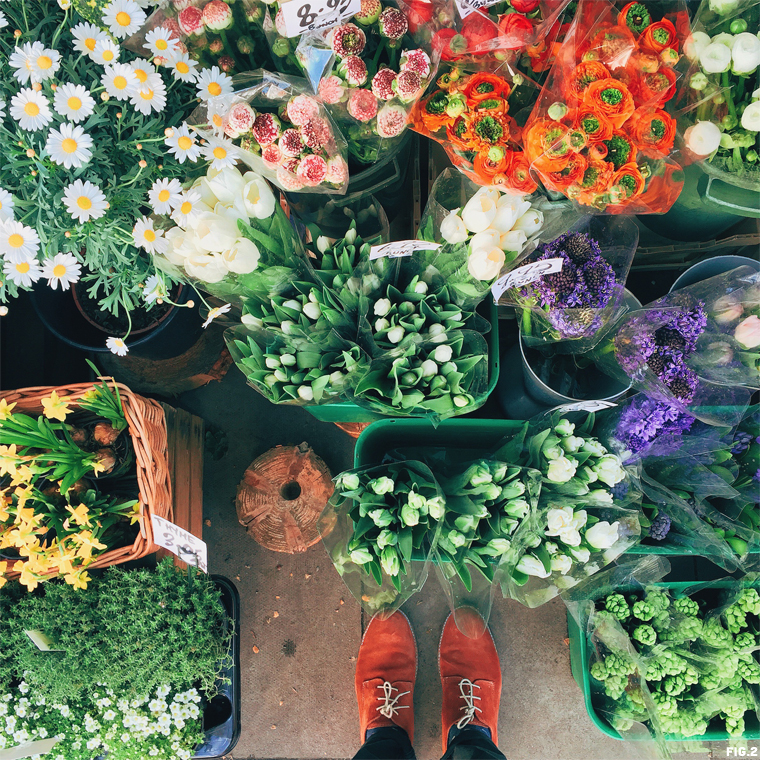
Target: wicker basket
{"points": [[147, 429]]}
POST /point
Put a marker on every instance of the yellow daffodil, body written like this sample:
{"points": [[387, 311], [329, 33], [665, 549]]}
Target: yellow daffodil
{"points": [[90, 395], [5, 409], [23, 474], [135, 512], [77, 579], [9, 460], [22, 496], [87, 543], [27, 578], [26, 515], [55, 408], [80, 514]]}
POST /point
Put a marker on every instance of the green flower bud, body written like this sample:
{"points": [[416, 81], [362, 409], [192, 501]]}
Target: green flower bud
{"points": [[349, 481], [381, 517], [698, 81], [381, 485], [409, 515], [466, 523], [557, 111], [386, 538], [436, 507], [281, 47], [361, 556], [389, 560]]}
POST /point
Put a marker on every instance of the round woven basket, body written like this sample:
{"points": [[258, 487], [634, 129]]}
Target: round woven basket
{"points": [[147, 430], [281, 497]]}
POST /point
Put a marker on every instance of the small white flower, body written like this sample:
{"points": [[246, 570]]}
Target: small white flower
{"points": [[161, 42], [106, 52], [69, 146], [702, 138], [86, 37], [183, 67], [21, 60], [64, 5], [745, 53], [715, 58], [479, 211], [73, 102], [3, 20], [561, 470], [18, 243], [751, 117], [151, 96], [212, 315], [120, 81], [221, 153], [145, 236], [382, 307], [213, 82], [30, 109], [109, 715], [182, 145], [186, 205], [123, 18], [562, 564], [453, 229], [117, 346], [63, 269], [530, 565], [45, 64], [395, 334], [84, 201], [25, 273], [695, 44], [155, 289], [6, 205], [602, 535], [143, 69], [443, 354], [164, 195]]}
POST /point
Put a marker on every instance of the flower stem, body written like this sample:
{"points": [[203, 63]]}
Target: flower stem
{"points": [[729, 99], [525, 324]]}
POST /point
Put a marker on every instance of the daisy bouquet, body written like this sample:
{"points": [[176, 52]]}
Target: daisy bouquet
{"points": [[469, 112], [205, 34], [721, 108], [81, 132], [600, 133]]}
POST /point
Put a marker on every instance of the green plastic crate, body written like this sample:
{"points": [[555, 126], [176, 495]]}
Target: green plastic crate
{"points": [[579, 665], [346, 411]]}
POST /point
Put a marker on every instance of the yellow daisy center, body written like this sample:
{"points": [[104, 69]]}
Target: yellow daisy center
{"points": [[182, 67], [162, 44], [220, 153], [149, 235], [120, 82], [84, 203], [44, 62], [123, 18], [163, 196], [146, 94], [69, 145], [108, 55], [186, 207], [90, 43], [32, 109], [23, 267], [74, 103], [185, 143], [217, 119], [215, 88], [1, 205], [16, 240], [59, 270], [141, 75]]}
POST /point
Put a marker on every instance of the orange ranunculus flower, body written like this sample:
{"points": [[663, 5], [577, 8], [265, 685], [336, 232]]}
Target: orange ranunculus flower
{"points": [[571, 174], [431, 114], [653, 131], [490, 105], [635, 17], [621, 150], [626, 184], [584, 74], [613, 46], [645, 62], [596, 177], [546, 146], [594, 124], [518, 173], [656, 89], [658, 36], [483, 86], [664, 188], [612, 99], [485, 130], [456, 132], [486, 167]]}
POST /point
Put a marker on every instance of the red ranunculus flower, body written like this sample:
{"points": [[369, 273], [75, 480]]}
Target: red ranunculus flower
{"points": [[525, 6], [515, 31], [479, 30], [419, 12]]}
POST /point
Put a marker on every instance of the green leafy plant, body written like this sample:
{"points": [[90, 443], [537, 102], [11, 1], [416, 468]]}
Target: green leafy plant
{"points": [[104, 402]]}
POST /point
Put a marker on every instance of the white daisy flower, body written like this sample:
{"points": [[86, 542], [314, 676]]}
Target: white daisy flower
{"points": [[63, 269], [64, 5], [45, 64], [25, 273], [120, 81], [216, 111], [2, 108], [143, 69], [145, 236], [221, 153], [160, 41], [3, 20], [69, 145], [185, 206], [86, 37], [106, 51], [183, 67], [213, 82], [18, 242], [123, 18], [212, 315], [6, 205], [155, 289], [21, 60], [182, 145], [151, 96], [73, 102], [164, 194], [119, 347], [84, 201], [31, 109]]}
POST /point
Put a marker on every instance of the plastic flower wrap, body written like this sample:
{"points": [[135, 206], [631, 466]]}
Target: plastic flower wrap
{"points": [[470, 113], [600, 133], [272, 124], [572, 307], [380, 528], [199, 36], [720, 108], [691, 348]]}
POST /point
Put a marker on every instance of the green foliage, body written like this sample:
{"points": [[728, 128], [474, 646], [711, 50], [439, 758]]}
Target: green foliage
{"points": [[131, 631]]}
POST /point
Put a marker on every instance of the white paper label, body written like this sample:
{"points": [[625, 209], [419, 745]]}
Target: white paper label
{"points": [[400, 248], [521, 276], [585, 406], [466, 7], [42, 641], [301, 16], [185, 545], [41, 747]]}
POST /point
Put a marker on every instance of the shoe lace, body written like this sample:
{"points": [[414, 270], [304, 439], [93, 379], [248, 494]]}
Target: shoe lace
{"points": [[465, 692], [390, 704]]}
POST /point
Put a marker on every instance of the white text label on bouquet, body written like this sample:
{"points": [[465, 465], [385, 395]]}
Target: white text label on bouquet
{"points": [[307, 16], [466, 7], [585, 406], [400, 248], [522, 276], [185, 545]]}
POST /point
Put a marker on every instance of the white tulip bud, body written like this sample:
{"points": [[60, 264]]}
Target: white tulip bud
{"points": [[287, 326], [460, 401], [443, 354], [429, 368], [312, 311], [323, 244], [421, 288], [272, 362], [350, 236], [381, 324], [287, 360], [396, 335], [292, 304], [281, 375], [270, 380], [336, 378], [382, 307], [306, 393], [313, 296]]}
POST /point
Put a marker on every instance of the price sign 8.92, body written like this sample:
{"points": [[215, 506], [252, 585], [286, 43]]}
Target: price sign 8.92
{"points": [[301, 16]]}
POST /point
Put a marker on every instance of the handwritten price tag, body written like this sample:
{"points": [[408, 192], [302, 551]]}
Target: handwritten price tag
{"points": [[301, 17], [466, 7], [185, 545], [400, 248], [522, 276], [585, 406]]}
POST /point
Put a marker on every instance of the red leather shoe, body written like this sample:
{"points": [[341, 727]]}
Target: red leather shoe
{"points": [[470, 676], [385, 673]]}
